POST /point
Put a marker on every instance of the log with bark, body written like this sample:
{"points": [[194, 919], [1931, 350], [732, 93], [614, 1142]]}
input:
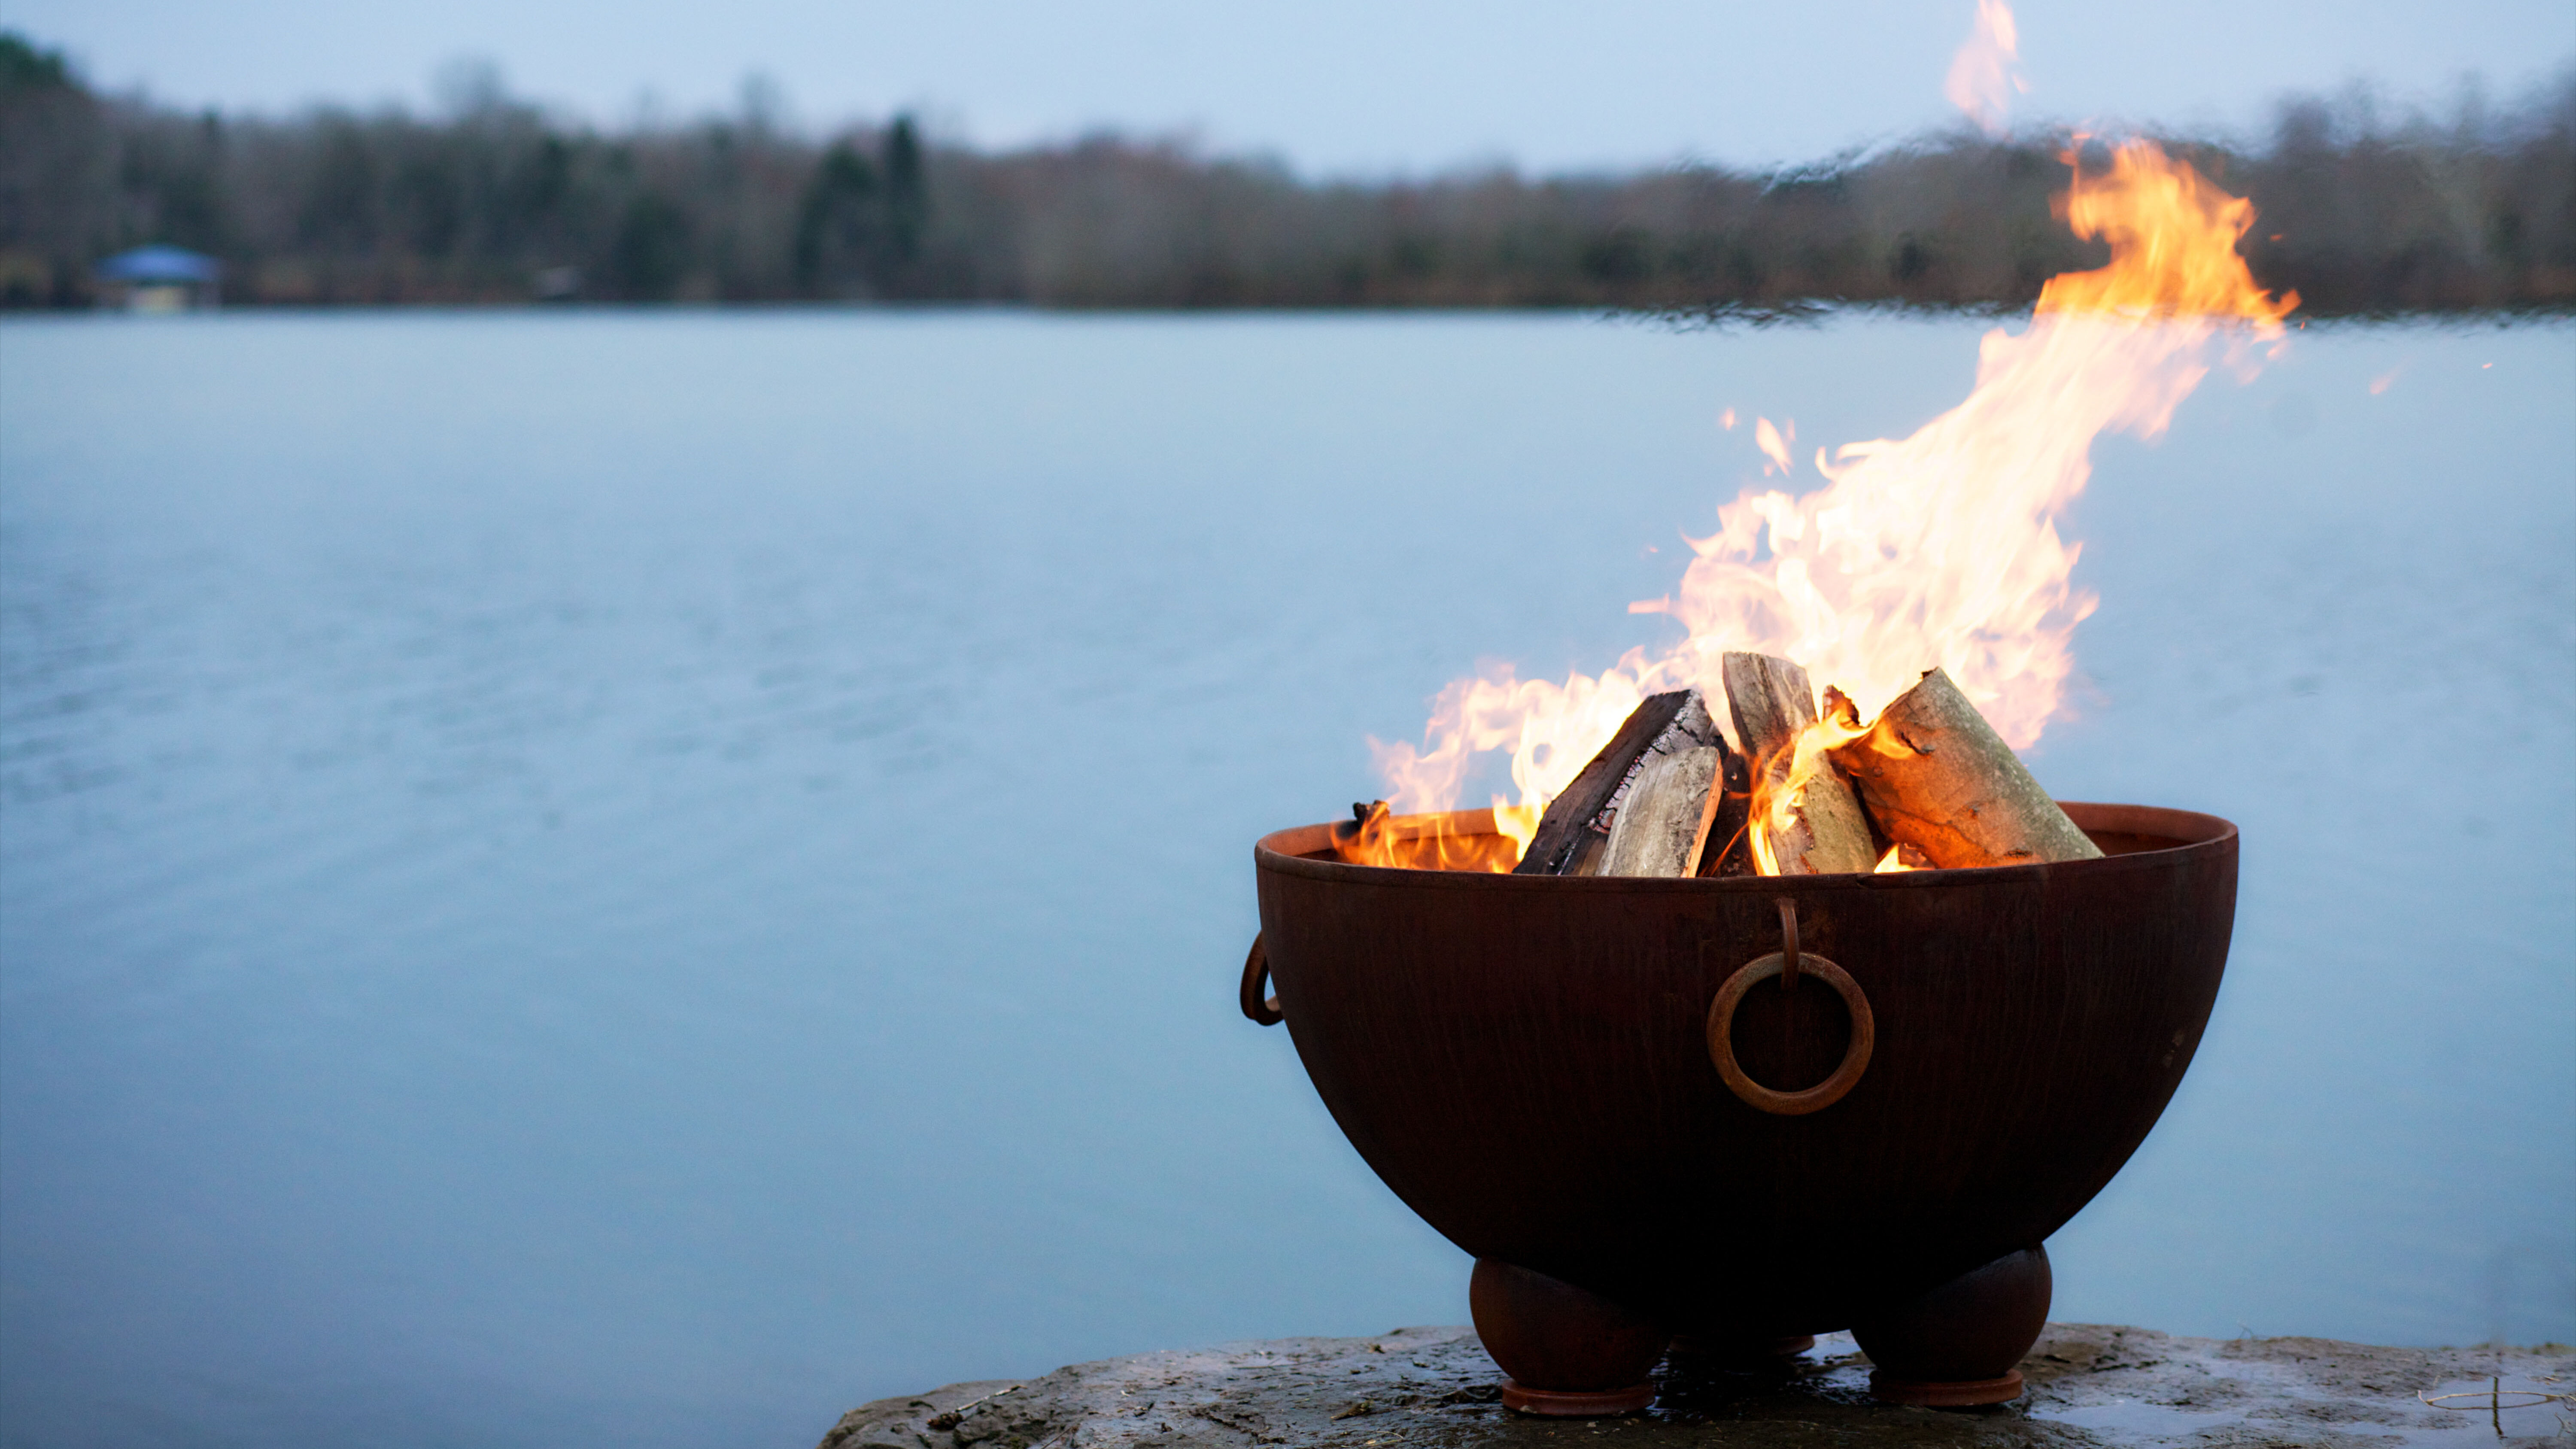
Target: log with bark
{"points": [[1773, 704], [1575, 830], [1937, 777]]}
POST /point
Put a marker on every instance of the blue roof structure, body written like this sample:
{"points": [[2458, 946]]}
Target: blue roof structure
{"points": [[161, 264]]}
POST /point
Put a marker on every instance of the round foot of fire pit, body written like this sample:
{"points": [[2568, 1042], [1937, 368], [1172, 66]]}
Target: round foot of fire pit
{"points": [[1721, 1350], [1568, 1351], [1958, 1344], [1557, 1404], [1954, 1394]]}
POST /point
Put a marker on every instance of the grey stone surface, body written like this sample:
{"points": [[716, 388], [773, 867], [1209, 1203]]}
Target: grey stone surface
{"points": [[1420, 1387]]}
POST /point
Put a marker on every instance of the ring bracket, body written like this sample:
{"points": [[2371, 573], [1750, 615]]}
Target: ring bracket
{"points": [[1721, 1029]]}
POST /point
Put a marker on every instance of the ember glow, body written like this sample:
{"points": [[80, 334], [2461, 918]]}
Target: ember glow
{"points": [[1937, 549]]}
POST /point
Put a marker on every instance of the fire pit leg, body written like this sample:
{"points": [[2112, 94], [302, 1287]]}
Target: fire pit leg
{"points": [[1569, 1353], [1958, 1344]]}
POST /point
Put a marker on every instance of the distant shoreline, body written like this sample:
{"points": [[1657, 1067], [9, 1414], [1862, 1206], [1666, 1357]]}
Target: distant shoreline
{"points": [[502, 203], [1811, 315]]}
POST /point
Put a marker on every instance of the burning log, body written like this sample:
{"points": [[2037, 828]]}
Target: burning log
{"points": [[1937, 777], [1664, 822], [1572, 834], [1822, 831]]}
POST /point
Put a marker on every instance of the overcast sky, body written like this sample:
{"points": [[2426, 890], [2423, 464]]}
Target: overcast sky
{"points": [[1329, 85]]}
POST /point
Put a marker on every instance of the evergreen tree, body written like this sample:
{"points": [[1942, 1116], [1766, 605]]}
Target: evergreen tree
{"points": [[907, 198], [23, 67], [836, 223]]}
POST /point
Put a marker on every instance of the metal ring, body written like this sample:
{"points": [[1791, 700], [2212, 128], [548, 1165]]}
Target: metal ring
{"points": [[1721, 1043], [1263, 1010]]}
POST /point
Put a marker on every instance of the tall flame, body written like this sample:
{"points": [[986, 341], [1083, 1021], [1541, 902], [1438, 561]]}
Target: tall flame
{"points": [[1937, 549], [1987, 70]]}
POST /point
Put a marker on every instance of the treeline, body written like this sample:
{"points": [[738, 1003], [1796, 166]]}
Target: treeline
{"points": [[496, 201]]}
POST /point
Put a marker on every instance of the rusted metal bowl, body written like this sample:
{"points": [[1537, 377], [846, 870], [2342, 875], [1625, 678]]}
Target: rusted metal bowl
{"points": [[1530, 1063]]}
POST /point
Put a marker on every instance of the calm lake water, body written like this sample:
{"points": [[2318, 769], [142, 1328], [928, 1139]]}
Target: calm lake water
{"points": [[646, 878]]}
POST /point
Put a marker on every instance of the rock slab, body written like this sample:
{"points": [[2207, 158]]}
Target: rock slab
{"points": [[1425, 1387]]}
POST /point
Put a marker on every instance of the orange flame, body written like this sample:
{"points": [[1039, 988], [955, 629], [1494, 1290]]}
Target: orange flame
{"points": [[2173, 242], [1937, 549], [1468, 840], [1780, 783]]}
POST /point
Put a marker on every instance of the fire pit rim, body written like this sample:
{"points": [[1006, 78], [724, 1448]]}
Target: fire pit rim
{"points": [[1280, 850]]}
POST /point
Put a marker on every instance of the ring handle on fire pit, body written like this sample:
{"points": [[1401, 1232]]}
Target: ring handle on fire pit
{"points": [[1786, 963], [1263, 1010]]}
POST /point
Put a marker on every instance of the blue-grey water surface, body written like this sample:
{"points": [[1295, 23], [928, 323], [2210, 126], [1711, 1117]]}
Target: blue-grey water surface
{"points": [[645, 878]]}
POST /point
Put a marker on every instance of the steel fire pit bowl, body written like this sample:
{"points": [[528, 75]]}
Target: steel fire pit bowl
{"points": [[1643, 1129]]}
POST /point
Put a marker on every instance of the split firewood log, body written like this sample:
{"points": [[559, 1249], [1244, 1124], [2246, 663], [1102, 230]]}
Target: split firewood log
{"points": [[1937, 777], [1773, 705], [1576, 827], [1664, 821]]}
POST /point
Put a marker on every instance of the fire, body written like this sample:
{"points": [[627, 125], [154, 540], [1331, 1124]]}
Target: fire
{"points": [[1774, 446], [2173, 242], [1780, 785], [1551, 732], [1468, 840], [1986, 71], [1937, 549]]}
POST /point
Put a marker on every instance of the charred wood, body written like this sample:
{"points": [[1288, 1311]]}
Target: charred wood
{"points": [[1726, 847], [1576, 827]]}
